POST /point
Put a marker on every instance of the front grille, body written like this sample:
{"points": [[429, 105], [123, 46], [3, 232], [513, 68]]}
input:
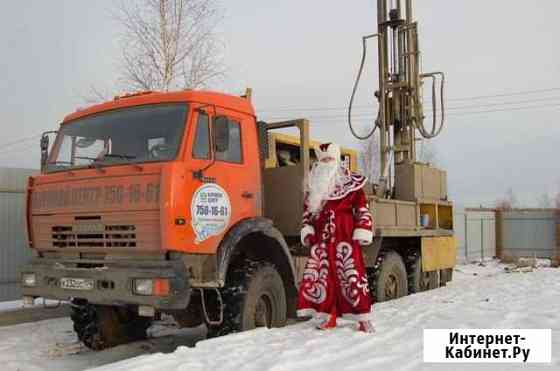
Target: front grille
{"points": [[100, 236]]}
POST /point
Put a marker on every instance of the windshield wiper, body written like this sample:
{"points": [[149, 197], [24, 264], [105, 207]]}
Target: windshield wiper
{"points": [[64, 164], [86, 158], [117, 155], [97, 162], [93, 160]]}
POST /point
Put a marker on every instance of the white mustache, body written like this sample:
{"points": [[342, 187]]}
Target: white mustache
{"points": [[322, 180]]}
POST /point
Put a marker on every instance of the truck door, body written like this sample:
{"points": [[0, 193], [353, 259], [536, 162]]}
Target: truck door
{"points": [[226, 182]]}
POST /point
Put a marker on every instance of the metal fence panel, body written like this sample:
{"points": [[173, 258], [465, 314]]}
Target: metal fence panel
{"points": [[13, 240], [475, 232], [12, 179], [529, 233]]}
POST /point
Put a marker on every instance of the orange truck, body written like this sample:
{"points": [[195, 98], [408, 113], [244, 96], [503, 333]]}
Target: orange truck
{"points": [[183, 203]]}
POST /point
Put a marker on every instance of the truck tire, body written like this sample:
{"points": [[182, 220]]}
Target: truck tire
{"points": [[254, 297], [391, 281], [100, 327], [445, 275], [419, 281]]}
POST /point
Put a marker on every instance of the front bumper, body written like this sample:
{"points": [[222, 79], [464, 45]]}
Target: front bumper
{"points": [[113, 281]]}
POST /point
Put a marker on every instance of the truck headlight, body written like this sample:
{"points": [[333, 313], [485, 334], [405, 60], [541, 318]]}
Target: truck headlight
{"points": [[151, 286], [29, 280], [143, 286]]}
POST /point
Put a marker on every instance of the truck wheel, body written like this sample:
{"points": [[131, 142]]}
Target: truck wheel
{"points": [[419, 281], [100, 327], [391, 279], [446, 275], [254, 297]]}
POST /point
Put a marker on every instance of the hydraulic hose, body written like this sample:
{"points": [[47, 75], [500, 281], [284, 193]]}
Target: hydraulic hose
{"points": [[356, 84], [434, 132]]}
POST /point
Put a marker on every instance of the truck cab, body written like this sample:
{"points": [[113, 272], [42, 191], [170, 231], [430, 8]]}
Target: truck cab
{"points": [[143, 203]]}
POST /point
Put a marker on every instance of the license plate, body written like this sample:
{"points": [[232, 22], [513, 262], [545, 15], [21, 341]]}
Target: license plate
{"points": [[76, 283], [88, 228]]}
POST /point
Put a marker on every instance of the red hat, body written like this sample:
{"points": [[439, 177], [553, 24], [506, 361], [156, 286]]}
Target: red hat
{"points": [[328, 150]]}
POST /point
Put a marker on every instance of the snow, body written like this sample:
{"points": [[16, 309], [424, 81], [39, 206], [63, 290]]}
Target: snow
{"points": [[10, 305], [6, 306], [52, 345], [479, 297]]}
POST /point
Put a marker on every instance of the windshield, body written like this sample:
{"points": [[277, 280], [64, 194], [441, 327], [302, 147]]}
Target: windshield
{"points": [[130, 135]]}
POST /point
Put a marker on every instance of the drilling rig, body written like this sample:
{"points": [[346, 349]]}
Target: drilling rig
{"points": [[400, 93], [413, 213]]}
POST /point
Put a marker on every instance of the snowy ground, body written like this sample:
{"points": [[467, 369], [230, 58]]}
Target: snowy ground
{"points": [[10, 305], [6, 306], [479, 297]]}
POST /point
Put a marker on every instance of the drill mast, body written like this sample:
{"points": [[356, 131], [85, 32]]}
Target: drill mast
{"points": [[400, 91]]}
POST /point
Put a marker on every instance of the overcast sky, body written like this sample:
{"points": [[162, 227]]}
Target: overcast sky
{"points": [[300, 57]]}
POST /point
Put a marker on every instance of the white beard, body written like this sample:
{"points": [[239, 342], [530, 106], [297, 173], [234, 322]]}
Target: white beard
{"points": [[322, 181]]}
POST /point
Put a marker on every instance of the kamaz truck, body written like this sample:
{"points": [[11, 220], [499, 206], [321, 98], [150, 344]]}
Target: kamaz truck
{"points": [[185, 204]]}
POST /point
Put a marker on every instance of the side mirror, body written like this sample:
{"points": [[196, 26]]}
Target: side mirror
{"points": [[220, 131], [45, 148]]}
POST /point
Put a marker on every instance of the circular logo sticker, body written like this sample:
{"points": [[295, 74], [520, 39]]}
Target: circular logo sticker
{"points": [[210, 211]]}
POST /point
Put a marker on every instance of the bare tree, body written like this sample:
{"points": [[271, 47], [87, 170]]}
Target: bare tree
{"points": [[503, 204], [369, 158], [169, 44], [96, 95], [508, 202]]}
